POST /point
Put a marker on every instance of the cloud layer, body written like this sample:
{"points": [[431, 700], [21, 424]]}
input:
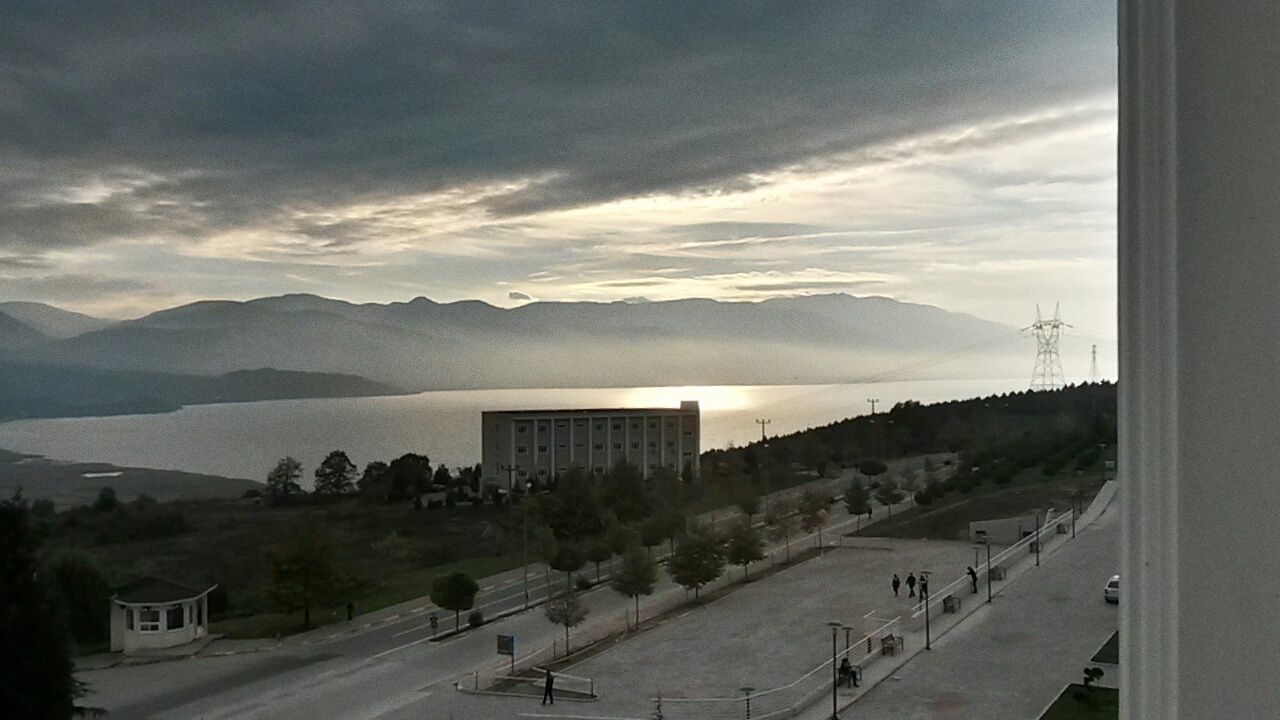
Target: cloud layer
{"points": [[576, 150]]}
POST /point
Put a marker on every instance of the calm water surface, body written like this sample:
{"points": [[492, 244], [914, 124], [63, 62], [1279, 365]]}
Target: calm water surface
{"points": [[246, 439]]}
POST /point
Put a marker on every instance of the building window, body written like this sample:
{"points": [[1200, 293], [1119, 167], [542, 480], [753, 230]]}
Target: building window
{"points": [[563, 446], [635, 426], [521, 449], [635, 446], [524, 474], [599, 446], [653, 444], [542, 448], [128, 618], [522, 429], [617, 426], [562, 423], [599, 469], [174, 618], [599, 426], [579, 445], [148, 620], [562, 470], [542, 472], [688, 433], [671, 443], [617, 446]]}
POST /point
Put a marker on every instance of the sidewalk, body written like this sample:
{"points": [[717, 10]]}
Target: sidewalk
{"points": [[882, 668]]}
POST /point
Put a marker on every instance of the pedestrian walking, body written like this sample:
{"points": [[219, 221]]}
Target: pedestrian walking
{"points": [[973, 578], [549, 695], [896, 584], [351, 611], [911, 585]]}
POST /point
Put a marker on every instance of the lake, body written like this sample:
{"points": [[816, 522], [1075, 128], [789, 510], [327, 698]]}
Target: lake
{"points": [[246, 439]]}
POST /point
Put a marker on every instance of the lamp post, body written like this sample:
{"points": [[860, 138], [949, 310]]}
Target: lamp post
{"points": [[924, 595], [1037, 540], [747, 692], [988, 544], [525, 512], [835, 678]]}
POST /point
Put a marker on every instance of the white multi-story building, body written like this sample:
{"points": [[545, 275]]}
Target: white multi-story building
{"points": [[520, 446]]}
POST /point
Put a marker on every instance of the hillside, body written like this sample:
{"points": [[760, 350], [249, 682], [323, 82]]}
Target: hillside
{"points": [[29, 391], [423, 344], [52, 321]]}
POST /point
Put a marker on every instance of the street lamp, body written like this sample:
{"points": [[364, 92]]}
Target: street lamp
{"points": [[747, 690], [525, 507], [924, 595], [835, 677], [1037, 541]]}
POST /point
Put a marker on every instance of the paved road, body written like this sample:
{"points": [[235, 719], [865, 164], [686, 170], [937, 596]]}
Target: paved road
{"points": [[1012, 658]]}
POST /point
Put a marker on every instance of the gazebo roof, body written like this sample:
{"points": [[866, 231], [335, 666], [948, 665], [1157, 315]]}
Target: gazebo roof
{"points": [[153, 590]]}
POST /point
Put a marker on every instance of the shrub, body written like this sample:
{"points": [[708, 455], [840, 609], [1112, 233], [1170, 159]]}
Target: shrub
{"points": [[582, 582], [475, 619], [923, 498]]}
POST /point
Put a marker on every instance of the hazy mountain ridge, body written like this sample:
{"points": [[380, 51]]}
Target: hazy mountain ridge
{"points": [[52, 321], [422, 344], [30, 391]]}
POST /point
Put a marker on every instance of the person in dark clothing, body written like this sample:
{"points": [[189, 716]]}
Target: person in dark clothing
{"points": [[351, 611], [548, 695], [973, 578], [847, 674], [896, 584], [911, 585]]}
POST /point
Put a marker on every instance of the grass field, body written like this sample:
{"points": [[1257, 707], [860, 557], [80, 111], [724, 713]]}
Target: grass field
{"points": [[948, 518], [1078, 702]]}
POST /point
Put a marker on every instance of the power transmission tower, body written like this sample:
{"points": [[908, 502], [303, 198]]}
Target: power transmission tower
{"points": [[1047, 374], [762, 423], [873, 402], [1093, 366]]}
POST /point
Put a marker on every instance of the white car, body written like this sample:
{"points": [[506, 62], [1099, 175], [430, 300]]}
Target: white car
{"points": [[1111, 593]]}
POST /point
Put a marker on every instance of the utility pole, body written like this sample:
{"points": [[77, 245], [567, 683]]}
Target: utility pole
{"points": [[762, 422], [1047, 374], [524, 507], [987, 542], [873, 402], [924, 595], [1093, 366]]}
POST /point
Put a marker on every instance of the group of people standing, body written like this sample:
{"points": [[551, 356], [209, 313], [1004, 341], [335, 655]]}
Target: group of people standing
{"points": [[923, 582]]}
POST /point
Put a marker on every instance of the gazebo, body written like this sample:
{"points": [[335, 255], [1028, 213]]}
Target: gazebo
{"points": [[151, 614]]}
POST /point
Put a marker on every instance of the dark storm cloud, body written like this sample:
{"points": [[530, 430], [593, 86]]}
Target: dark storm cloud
{"points": [[242, 111]]}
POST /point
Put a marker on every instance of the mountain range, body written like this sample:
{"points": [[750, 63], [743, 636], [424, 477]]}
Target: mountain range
{"points": [[422, 344]]}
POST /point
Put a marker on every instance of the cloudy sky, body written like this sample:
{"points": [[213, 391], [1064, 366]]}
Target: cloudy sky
{"points": [[959, 153]]}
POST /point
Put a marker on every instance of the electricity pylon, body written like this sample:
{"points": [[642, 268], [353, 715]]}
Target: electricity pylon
{"points": [[1093, 366], [1047, 374]]}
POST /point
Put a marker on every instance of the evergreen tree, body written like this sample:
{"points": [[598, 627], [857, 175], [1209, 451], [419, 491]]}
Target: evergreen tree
{"points": [[35, 664], [624, 492], [456, 592], [304, 571], [82, 596], [856, 498], [889, 493]]}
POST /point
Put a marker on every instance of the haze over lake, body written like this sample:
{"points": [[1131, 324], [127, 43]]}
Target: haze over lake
{"points": [[246, 439]]}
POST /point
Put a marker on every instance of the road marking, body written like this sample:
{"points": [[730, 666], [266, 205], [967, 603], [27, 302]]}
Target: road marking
{"points": [[577, 717]]}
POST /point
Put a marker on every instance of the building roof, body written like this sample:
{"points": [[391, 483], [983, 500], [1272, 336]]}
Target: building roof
{"points": [[591, 411], [149, 590]]}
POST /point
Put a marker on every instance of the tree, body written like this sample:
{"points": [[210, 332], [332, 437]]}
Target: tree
{"points": [[82, 596], [744, 545], [408, 476], [872, 467], [597, 551], [624, 492], [567, 558], [568, 611], [106, 501], [889, 493], [36, 678], [282, 481], [374, 483], [856, 498], [305, 570], [813, 511], [336, 475], [653, 531], [619, 537], [697, 560], [572, 510], [456, 592], [748, 501], [780, 518], [444, 478], [637, 576]]}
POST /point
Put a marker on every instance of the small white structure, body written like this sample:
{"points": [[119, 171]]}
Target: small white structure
{"points": [[152, 614]]}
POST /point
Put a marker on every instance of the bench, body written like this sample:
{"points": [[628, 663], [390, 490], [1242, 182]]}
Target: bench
{"points": [[951, 604], [890, 644]]}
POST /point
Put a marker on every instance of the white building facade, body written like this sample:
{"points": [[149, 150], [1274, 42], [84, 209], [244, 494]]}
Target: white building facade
{"points": [[523, 446]]}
